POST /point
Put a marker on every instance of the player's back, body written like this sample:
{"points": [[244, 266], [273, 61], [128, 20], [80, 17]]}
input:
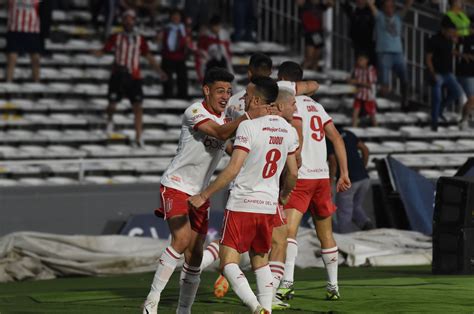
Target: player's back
{"points": [[314, 153], [268, 141]]}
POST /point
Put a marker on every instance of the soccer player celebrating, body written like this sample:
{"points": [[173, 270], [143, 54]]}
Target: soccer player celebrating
{"points": [[262, 148], [313, 186], [200, 149]]}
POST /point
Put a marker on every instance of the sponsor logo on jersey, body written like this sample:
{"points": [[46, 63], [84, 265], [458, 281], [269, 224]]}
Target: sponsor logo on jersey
{"points": [[242, 139]]}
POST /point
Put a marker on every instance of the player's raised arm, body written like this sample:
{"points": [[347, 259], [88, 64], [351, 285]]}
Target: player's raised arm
{"points": [[307, 88]]}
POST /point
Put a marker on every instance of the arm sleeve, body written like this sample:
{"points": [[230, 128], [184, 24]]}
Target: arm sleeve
{"points": [[297, 115], [325, 118], [243, 137], [294, 141], [196, 115]]}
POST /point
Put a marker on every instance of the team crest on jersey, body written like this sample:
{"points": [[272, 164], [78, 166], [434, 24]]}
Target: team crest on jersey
{"points": [[195, 111]]}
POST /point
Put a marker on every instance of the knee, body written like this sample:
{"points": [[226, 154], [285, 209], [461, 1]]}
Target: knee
{"points": [[180, 244]]}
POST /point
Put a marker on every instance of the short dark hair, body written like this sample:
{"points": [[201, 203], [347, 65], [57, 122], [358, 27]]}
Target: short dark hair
{"points": [[290, 71], [266, 87], [446, 23], [215, 20], [217, 75], [260, 62]]}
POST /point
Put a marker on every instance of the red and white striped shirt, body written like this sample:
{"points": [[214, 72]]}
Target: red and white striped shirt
{"points": [[128, 48], [367, 75], [23, 16]]}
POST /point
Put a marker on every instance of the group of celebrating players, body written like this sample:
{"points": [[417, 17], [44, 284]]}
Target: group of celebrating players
{"points": [[276, 136]]}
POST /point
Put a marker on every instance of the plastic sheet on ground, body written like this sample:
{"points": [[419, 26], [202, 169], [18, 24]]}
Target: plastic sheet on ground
{"points": [[34, 255]]}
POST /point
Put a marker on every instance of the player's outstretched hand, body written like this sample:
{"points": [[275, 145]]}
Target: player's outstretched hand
{"points": [[343, 184], [196, 201]]}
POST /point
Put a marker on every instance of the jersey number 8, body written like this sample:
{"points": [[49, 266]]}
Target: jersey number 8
{"points": [[271, 166]]}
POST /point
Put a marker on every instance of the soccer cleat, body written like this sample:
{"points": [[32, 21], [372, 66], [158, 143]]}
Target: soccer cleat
{"points": [[285, 293], [221, 287], [150, 307], [332, 295], [261, 310], [278, 305]]}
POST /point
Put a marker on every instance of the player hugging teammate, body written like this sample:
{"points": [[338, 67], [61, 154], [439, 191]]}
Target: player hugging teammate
{"points": [[264, 164]]}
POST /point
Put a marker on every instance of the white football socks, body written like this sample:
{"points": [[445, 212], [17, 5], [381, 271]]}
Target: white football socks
{"points": [[291, 253], [330, 262], [278, 270], [167, 263], [240, 285], [189, 284], [264, 286], [211, 254]]}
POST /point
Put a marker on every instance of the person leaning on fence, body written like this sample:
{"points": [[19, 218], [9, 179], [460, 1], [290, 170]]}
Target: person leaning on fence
{"points": [[439, 61], [388, 46]]}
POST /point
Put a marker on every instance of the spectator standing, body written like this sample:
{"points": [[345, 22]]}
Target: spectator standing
{"points": [[364, 77], [465, 75], [388, 45], [214, 48], [458, 17], [23, 35], [439, 61], [311, 12], [361, 28], [174, 52], [349, 203], [126, 79]]}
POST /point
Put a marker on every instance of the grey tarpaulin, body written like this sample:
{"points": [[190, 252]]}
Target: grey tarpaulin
{"points": [[34, 255]]}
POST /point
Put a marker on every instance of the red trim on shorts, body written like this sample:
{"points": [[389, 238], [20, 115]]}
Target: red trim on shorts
{"points": [[335, 251], [329, 121], [200, 122], [245, 149], [171, 253]]}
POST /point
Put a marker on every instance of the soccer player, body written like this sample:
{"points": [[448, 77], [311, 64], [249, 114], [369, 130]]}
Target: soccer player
{"points": [[262, 148], [200, 149], [313, 187], [126, 79]]}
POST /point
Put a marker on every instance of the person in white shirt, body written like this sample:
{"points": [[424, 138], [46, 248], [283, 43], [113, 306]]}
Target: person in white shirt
{"points": [[313, 189], [262, 148], [200, 149]]}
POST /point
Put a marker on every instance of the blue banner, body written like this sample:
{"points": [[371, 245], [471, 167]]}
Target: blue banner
{"points": [[417, 194]]}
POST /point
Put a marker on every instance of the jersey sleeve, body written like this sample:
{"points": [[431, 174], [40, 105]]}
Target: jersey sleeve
{"points": [[325, 118], [294, 141], [287, 85], [196, 115], [243, 137], [297, 114]]}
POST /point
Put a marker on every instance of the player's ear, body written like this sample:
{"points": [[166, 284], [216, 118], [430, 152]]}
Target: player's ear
{"points": [[206, 90]]}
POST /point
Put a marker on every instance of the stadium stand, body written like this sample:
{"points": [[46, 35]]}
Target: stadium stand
{"points": [[53, 132]]}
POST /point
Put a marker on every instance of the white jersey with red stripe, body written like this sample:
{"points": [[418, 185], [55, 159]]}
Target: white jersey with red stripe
{"points": [[367, 75], [23, 16], [268, 140], [198, 154], [314, 153], [128, 47]]}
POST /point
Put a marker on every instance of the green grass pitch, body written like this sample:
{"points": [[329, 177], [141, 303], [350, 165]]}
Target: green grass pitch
{"points": [[363, 290]]}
